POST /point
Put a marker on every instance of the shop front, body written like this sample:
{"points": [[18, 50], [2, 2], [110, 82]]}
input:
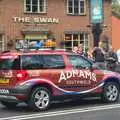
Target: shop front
{"points": [[36, 37]]}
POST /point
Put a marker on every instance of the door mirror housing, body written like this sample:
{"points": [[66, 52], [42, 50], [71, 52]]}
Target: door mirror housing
{"points": [[94, 66]]}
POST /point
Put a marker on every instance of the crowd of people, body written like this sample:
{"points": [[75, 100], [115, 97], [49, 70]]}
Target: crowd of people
{"points": [[102, 55]]}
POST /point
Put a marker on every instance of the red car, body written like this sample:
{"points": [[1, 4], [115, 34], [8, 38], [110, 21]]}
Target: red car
{"points": [[37, 77]]}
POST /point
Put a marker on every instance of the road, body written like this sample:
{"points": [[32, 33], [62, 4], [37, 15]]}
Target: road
{"points": [[89, 109]]}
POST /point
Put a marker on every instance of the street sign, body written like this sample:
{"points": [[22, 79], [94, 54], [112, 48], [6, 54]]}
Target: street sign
{"points": [[96, 11]]}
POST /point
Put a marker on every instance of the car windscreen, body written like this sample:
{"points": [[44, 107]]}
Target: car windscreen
{"points": [[9, 64]]}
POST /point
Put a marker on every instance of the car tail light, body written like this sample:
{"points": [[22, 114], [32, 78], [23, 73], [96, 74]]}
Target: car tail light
{"points": [[21, 75]]}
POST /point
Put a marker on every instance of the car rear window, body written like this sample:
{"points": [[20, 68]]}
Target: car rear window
{"points": [[32, 62], [9, 64], [53, 62]]}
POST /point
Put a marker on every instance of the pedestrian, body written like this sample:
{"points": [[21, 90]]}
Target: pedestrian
{"points": [[118, 55], [99, 56], [81, 52], [111, 60], [75, 49]]}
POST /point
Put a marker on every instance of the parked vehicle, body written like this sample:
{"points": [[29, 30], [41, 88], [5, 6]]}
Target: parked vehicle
{"points": [[37, 77]]}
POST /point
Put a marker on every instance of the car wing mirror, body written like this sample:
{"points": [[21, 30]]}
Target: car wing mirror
{"points": [[94, 66]]}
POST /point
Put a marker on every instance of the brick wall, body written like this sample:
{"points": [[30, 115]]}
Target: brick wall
{"points": [[57, 9]]}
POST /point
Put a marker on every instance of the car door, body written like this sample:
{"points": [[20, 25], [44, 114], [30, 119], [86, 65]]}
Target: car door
{"points": [[83, 77]]}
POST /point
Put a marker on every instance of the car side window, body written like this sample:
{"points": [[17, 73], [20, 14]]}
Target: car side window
{"points": [[53, 62], [32, 62], [78, 61]]}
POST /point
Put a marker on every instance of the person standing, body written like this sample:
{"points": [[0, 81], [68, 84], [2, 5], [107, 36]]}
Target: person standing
{"points": [[75, 49], [99, 56], [111, 60], [118, 55], [81, 52]]}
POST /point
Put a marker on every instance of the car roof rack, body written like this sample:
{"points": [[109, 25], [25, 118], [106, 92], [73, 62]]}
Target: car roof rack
{"points": [[5, 51], [41, 49]]}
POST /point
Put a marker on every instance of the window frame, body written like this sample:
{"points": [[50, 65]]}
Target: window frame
{"points": [[42, 64], [38, 7], [35, 55], [55, 67], [2, 43], [79, 8], [79, 40], [89, 67], [12, 62]]}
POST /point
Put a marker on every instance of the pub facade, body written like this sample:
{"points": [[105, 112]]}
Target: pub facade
{"points": [[24, 22]]}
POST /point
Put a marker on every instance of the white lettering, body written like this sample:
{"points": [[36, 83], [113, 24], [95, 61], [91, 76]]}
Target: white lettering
{"points": [[21, 19], [36, 20], [27, 19], [94, 77], [15, 19], [55, 20], [49, 20], [81, 74], [69, 74], [89, 76], [62, 77], [75, 73], [43, 20]]}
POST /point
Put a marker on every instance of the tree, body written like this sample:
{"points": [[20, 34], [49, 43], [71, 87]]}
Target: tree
{"points": [[116, 8]]}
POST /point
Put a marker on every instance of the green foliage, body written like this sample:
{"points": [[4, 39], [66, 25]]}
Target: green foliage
{"points": [[116, 9]]}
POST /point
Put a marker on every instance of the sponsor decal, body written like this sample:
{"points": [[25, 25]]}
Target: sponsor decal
{"points": [[7, 74], [4, 81], [82, 74], [4, 91]]}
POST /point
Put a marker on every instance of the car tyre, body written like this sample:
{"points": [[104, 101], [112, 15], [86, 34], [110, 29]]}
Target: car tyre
{"points": [[9, 104], [110, 92], [40, 99]]}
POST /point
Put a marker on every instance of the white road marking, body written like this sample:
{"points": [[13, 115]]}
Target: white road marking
{"points": [[64, 112]]}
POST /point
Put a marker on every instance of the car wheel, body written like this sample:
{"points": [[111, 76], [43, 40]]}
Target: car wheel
{"points": [[9, 104], [110, 92], [40, 99]]}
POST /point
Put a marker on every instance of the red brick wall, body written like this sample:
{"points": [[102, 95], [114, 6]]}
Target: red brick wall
{"points": [[115, 33], [57, 9]]}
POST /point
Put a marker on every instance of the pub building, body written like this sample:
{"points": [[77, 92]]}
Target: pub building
{"points": [[24, 22]]}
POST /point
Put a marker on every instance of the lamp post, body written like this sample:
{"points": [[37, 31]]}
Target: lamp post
{"points": [[96, 31]]}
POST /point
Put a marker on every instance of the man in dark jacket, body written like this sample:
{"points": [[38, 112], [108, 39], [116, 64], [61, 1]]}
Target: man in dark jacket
{"points": [[111, 60], [99, 56]]}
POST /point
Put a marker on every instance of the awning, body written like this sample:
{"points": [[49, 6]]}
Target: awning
{"points": [[35, 30], [35, 37], [75, 32]]}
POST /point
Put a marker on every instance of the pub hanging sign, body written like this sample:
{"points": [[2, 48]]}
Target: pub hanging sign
{"points": [[96, 11]]}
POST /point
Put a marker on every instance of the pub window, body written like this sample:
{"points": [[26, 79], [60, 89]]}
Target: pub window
{"points": [[1, 43], [75, 39], [35, 6], [76, 7]]}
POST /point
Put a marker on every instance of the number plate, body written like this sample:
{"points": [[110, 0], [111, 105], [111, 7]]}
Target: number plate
{"points": [[4, 81]]}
